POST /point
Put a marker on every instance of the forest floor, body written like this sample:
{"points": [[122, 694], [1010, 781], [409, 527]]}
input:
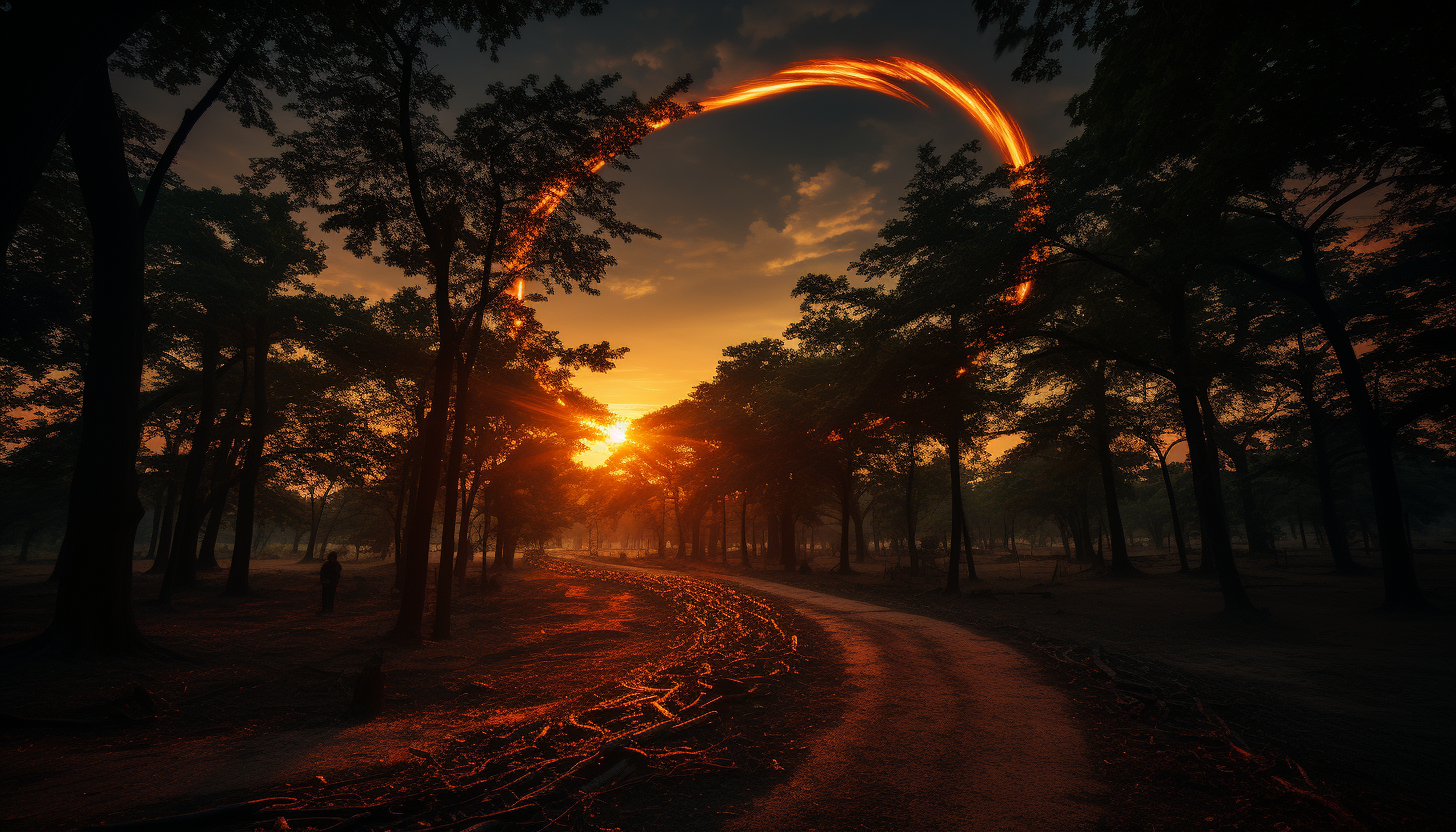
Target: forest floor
{"points": [[1326, 713], [259, 708]]}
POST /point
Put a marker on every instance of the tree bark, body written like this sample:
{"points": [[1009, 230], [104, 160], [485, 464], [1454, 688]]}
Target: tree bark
{"points": [[169, 516], [217, 505], [1334, 522], [237, 582], [93, 610], [1121, 564], [953, 450], [788, 557], [846, 491], [1173, 510], [743, 533], [49, 53], [1212, 517], [182, 569], [1402, 591], [911, 549]]}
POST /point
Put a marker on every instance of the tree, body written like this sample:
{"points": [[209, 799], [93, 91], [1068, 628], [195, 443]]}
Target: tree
{"points": [[1272, 122], [953, 257], [493, 202]]}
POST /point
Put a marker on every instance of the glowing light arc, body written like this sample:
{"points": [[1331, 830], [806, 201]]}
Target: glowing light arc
{"points": [[881, 75]]}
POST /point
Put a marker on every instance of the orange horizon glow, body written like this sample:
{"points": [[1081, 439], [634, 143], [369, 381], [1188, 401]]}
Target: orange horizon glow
{"points": [[877, 75]]}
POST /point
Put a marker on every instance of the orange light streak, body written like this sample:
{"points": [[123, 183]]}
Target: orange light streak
{"points": [[878, 75]]}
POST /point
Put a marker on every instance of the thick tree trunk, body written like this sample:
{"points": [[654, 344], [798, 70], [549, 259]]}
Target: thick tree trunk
{"points": [[508, 551], [55, 48], [217, 509], [1402, 591], [420, 521], [237, 582], [1212, 517], [93, 599], [440, 240]]}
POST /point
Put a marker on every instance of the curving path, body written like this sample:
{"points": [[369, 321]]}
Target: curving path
{"points": [[944, 729]]}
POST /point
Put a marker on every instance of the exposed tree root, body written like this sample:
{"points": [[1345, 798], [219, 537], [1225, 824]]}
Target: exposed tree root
{"points": [[731, 649]]}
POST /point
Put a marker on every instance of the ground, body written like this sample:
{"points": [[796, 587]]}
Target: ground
{"points": [[1326, 685], [1329, 714], [260, 708]]}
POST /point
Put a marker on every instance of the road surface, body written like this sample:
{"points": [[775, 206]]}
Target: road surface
{"points": [[944, 730]]}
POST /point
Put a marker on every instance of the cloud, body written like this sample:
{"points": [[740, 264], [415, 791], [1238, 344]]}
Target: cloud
{"points": [[767, 19], [835, 209], [831, 213], [633, 287]]}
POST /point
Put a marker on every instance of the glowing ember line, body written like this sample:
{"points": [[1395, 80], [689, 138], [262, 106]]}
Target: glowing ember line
{"points": [[879, 75]]}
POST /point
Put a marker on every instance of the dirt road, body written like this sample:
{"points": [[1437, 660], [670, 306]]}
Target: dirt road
{"points": [[944, 729]]}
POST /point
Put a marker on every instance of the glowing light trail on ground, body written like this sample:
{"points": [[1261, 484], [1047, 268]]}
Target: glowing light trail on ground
{"points": [[879, 75]]}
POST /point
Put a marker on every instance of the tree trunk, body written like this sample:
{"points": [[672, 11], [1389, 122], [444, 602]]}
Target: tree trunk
{"points": [[164, 543], [158, 506], [1402, 591], [1257, 529], [788, 558], [1173, 510], [217, 503], [1212, 518], [682, 543], [237, 582], [182, 569], [444, 583], [93, 600], [861, 550], [420, 521], [846, 495], [953, 451], [465, 548], [56, 48], [1324, 477], [1121, 564], [910, 543], [509, 550], [743, 533]]}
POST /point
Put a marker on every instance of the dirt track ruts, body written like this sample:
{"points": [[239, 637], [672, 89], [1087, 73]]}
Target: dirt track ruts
{"points": [[943, 729]]}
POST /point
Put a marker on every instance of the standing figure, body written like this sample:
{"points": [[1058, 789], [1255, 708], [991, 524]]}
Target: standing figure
{"points": [[329, 575]]}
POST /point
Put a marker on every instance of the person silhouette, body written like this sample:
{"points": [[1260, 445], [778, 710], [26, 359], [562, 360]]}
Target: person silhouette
{"points": [[329, 575]]}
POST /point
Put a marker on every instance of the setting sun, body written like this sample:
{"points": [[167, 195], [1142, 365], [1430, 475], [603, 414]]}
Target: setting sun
{"points": [[616, 433]]}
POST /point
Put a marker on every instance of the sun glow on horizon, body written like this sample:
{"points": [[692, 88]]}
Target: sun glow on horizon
{"points": [[616, 433]]}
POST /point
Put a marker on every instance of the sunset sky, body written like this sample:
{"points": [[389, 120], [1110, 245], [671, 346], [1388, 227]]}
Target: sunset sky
{"points": [[746, 199]]}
